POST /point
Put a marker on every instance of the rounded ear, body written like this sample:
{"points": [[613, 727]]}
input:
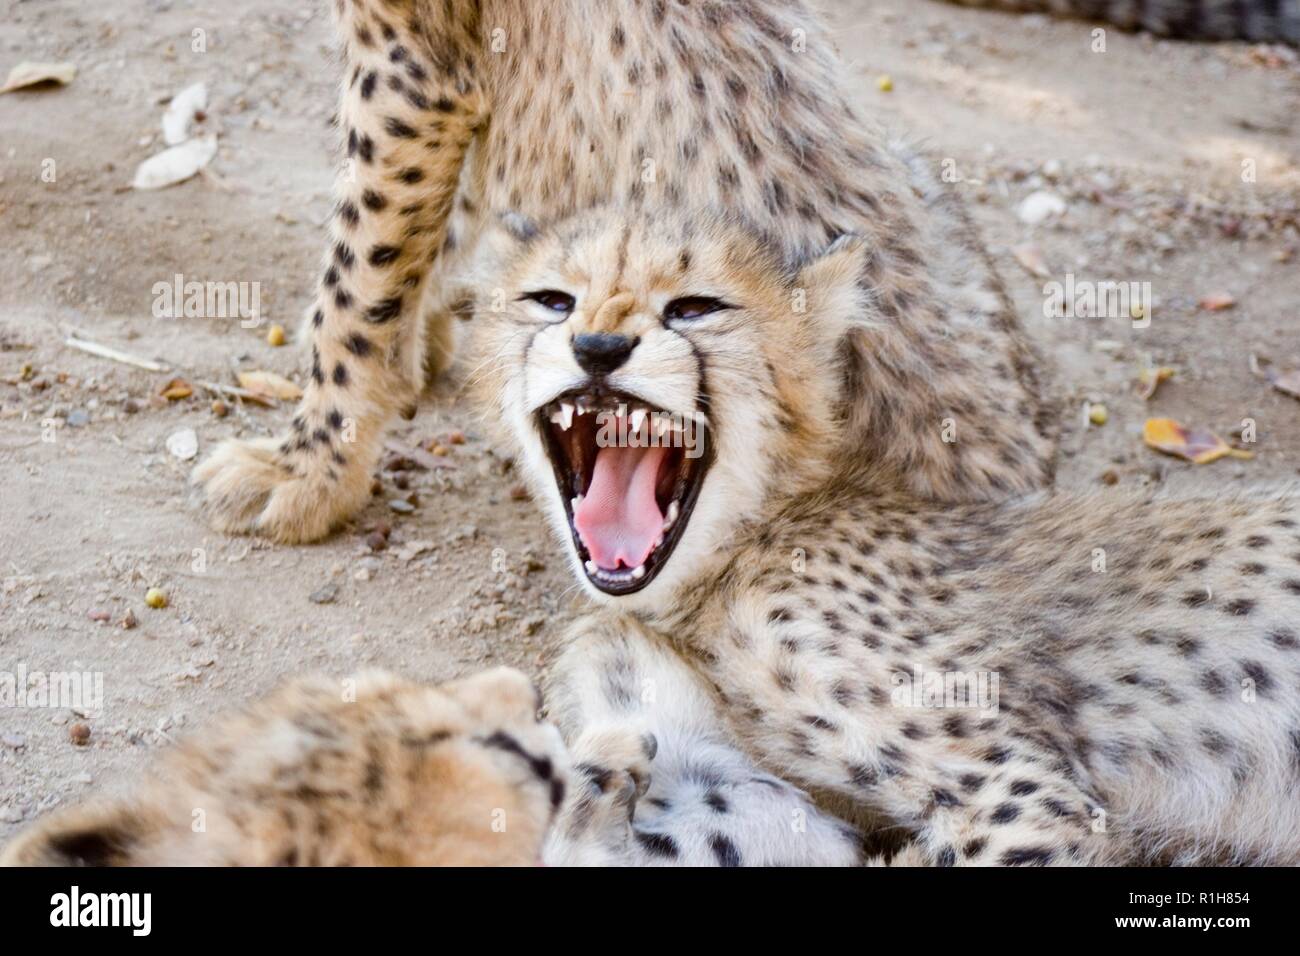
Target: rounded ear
{"points": [[96, 833], [832, 285]]}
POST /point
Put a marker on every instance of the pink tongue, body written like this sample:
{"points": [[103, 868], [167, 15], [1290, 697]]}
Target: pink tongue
{"points": [[619, 519]]}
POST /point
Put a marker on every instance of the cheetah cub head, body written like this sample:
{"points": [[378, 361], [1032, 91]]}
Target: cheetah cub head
{"points": [[668, 380]]}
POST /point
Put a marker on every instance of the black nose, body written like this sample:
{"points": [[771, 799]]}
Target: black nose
{"points": [[599, 353]]}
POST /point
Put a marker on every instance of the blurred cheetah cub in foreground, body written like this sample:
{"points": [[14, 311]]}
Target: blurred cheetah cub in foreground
{"points": [[679, 395]]}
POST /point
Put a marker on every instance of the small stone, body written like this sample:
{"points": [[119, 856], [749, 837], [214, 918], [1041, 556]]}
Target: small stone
{"points": [[99, 615], [518, 493], [220, 409], [325, 595], [14, 741], [128, 620], [155, 598], [456, 437], [131, 406], [376, 488], [1040, 206], [11, 815], [78, 418], [1110, 477], [1098, 415], [376, 541], [79, 734], [275, 336], [401, 506], [885, 83], [183, 444]]}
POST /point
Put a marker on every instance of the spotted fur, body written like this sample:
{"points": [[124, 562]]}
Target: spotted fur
{"points": [[374, 771], [456, 112]]}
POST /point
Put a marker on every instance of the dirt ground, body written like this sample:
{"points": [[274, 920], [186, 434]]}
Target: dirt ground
{"points": [[1145, 143]]}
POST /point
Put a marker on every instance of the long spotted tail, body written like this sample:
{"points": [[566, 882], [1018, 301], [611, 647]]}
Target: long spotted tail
{"points": [[1264, 21]]}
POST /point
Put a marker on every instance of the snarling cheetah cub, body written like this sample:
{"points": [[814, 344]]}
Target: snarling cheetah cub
{"points": [[454, 112], [1054, 679]]}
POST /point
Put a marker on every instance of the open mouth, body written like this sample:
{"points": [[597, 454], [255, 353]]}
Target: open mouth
{"points": [[629, 475]]}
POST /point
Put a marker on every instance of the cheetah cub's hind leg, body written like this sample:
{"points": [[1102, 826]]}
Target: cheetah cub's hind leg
{"points": [[409, 111], [657, 781]]}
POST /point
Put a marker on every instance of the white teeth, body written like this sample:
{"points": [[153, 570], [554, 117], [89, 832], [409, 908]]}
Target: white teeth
{"points": [[576, 502], [674, 510], [638, 572], [592, 567], [564, 416], [663, 425], [637, 419]]}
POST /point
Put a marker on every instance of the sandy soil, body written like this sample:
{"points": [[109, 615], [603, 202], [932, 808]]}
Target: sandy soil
{"points": [[1144, 142]]}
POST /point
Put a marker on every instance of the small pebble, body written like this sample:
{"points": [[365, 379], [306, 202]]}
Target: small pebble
{"points": [[128, 620], [401, 506], [14, 741], [78, 418], [325, 595], [100, 615], [518, 493], [79, 734], [183, 444], [131, 406], [220, 409], [155, 598], [456, 437], [1098, 415], [376, 541], [275, 336], [885, 83], [1110, 477]]}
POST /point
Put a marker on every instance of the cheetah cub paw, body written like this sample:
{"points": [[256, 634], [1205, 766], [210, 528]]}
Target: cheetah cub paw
{"points": [[611, 771], [252, 487]]}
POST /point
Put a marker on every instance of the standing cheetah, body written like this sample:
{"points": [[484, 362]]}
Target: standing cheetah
{"points": [[1050, 679], [456, 111]]}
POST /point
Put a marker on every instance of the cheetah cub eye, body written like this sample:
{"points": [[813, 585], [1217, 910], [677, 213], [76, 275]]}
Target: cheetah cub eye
{"points": [[693, 307], [559, 302]]}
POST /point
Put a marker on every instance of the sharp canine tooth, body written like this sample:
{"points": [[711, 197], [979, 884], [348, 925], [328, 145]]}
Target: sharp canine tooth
{"points": [[638, 572], [674, 510], [566, 410], [576, 502], [591, 567], [637, 419]]}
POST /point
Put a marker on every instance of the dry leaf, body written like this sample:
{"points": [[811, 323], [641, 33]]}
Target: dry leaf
{"points": [[1031, 258], [26, 75], [176, 389], [1191, 444], [1150, 379], [1288, 383], [185, 106], [175, 165], [1217, 302], [270, 385]]}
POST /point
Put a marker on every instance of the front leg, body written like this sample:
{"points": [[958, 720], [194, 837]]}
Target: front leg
{"points": [[659, 781], [410, 107]]}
